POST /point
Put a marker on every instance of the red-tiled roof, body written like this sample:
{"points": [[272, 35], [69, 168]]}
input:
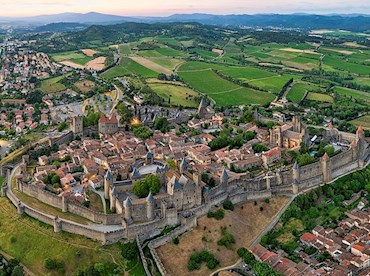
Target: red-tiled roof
{"points": [[111, 119]]}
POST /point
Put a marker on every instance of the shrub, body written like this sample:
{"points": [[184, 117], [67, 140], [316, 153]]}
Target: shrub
{"points": [[129, 250], [196, 260], [227, 239], [261, 208], [13, 239], [176, 240], [52, 264], [219, 214], [228, 205], [267, 200]]}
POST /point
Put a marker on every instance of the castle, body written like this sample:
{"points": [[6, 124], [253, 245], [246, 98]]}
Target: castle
{"points": [[289, 135], [108, 125]]}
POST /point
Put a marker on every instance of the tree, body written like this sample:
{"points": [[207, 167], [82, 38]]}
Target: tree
{"points": [[62, 126], [125, 113], [55, 179], [142, 132], [161, 124], [305, 159], [151, 183], [129, 250]]}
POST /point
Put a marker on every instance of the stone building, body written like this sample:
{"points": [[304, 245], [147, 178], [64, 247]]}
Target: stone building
{"points": [[108, 125], [289, 135], [77, 125]]}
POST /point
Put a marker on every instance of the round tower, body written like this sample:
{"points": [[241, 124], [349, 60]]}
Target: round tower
{"points": [[108, 182], [326, 168], [296, 172], [127, 204], [113, 200], [150, 203]]}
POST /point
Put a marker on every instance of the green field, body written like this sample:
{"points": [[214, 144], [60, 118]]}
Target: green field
{"points": [[246, 73], [273, 84], [223, 91], [362, 121], [196, 66], [343, 65], [74, 56], [298, 90], [363, 81], [129, 67], [179, 95], [167, 51], [52, 85], [125, 49], [359, 95], [205, 54], [320, 97], [32, 242]]}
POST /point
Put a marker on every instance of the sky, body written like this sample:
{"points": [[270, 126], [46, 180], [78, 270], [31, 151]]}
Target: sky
{"points": [[168, 7]]}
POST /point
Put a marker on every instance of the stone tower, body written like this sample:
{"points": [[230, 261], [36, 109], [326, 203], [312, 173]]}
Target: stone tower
{"points": [[202, 109], [113, 200], [127, 204], [276, 138], [149, 158], [108, 182], [183, 166], [326, 168], [296, 173], [78, 125], [150, 205], [224, 178], [297, 124]]}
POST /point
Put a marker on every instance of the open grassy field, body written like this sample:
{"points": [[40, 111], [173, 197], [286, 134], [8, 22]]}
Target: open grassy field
{"points": [[151, 65], [320, 97], [53, 85], [179, 95], [245, 223], [299, 89], [198, 66], [362, 121], [32, 242], [242, 96], [129, 67], [363, 81], [205, 54], [359, 95]]}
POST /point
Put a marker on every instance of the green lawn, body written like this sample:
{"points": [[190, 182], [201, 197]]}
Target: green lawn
{"points": [[179, 95], [320, 97], [359, 95]]}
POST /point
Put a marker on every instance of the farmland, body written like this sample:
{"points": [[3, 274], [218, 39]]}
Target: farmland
{"points": [[178, 95], [129, 67], [362, 121], [74, 57], [52, 85], [320, 97], [298, 90], [359, 95]]}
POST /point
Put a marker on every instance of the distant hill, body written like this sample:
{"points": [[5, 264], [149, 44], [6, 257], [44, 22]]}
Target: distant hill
{"points": [[61, 27], [350, 22]]}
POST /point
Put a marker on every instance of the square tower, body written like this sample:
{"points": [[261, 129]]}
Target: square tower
{"points": [[78, 125]]}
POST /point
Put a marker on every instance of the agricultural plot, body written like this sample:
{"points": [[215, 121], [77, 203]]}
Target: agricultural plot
{"points": [[176, 95], [200, 66], [343, 65], [273, 84], [52, 85], [125, 49], [85, 85], [129, 67], [356, 94], [154, 66], [204, 54], [362, 121], [363, 81], [247, 73], [319, 97], [167, 51], [222, 91], [298, 90], [73, 57]]}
